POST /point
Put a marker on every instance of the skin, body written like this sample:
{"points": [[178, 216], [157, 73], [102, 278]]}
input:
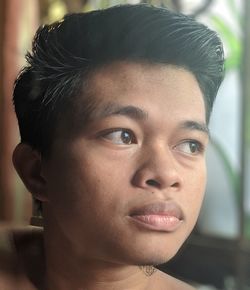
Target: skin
{"points": [[97, 174]]}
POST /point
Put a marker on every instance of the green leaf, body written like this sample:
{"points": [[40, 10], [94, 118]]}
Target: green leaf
{"points": [[231, 40]]}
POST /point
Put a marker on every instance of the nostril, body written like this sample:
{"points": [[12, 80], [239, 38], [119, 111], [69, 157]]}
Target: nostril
{"points": [[176, 184], [153, 182]]}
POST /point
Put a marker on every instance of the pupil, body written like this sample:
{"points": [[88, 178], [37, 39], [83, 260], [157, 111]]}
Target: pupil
{"points": [[193, 147], [126, 138]]}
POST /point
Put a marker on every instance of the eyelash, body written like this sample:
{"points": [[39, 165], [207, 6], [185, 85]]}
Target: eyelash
{"points": [[200, 146], [104, 135]]}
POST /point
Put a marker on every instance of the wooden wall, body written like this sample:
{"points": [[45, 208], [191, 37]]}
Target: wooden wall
{"points": [[9, 67]]}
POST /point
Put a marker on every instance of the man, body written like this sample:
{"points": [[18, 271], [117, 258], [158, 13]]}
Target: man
{"points": [[113, 109]]}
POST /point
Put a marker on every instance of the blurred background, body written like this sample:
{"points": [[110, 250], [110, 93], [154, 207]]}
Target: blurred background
{"points": [[217, 254]]}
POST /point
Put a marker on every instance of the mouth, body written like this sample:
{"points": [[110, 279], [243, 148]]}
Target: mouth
{"points": [[160, 216]]}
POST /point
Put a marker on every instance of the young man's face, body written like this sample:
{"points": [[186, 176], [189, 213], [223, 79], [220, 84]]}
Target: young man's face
{"points": [[127, 187]]}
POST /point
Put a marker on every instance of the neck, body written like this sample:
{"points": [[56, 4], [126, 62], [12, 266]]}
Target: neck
{"points": [[66, 269], [94, 275]]}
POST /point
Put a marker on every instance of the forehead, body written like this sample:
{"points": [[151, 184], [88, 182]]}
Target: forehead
{"points": [[145, 84], [127, 76], [162, 91]]}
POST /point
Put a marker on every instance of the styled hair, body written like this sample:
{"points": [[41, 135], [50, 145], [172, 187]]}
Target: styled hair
{"points": [[65, 52]]}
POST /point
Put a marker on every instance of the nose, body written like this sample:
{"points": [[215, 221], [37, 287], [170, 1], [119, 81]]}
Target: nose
{"points": [[158, 168]]}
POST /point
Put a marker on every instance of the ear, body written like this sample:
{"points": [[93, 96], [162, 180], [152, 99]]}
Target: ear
{"points": [[28, 164]]}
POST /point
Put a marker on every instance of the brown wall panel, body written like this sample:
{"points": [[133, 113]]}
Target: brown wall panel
{"points": [[10, 12]]}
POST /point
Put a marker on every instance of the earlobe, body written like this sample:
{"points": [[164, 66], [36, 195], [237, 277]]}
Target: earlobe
{"points": [[28, 164]]}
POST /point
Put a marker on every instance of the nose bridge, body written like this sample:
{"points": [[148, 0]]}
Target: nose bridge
{"points": [[161, 161], [158, 167]]}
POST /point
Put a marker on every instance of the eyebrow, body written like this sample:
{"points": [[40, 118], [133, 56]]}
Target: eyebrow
{"points": [[111, 109], [137, 113], [194, 125]]}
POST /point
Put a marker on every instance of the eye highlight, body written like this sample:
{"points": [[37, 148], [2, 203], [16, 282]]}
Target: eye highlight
{"points": [[119, 136], [191, 147]]}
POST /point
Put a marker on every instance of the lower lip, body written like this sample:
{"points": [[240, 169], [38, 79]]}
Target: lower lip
{"points": [[161, 223]]}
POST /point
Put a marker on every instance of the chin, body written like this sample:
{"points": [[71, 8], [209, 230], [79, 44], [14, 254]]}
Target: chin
{"points": [[154, 255], [156, 259]]}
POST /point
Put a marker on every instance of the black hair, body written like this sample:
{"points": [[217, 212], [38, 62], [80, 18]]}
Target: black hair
{"points": [[64, 53]]}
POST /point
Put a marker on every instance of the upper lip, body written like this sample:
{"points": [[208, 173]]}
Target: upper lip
{"points": [[167, 208]]}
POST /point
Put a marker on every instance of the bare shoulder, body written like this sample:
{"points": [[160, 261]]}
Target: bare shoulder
{"points": [[20, 250], [167, 282]]}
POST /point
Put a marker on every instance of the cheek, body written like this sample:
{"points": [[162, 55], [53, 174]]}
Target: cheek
{"points": [[87, 181], [194, 195]]}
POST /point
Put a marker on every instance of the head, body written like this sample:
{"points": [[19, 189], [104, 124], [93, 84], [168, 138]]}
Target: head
{"points": [[64, 53], [89, 77]]}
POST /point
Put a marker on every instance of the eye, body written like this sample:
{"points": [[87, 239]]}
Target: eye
{"points": [[120, 136], [190, 147]]}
